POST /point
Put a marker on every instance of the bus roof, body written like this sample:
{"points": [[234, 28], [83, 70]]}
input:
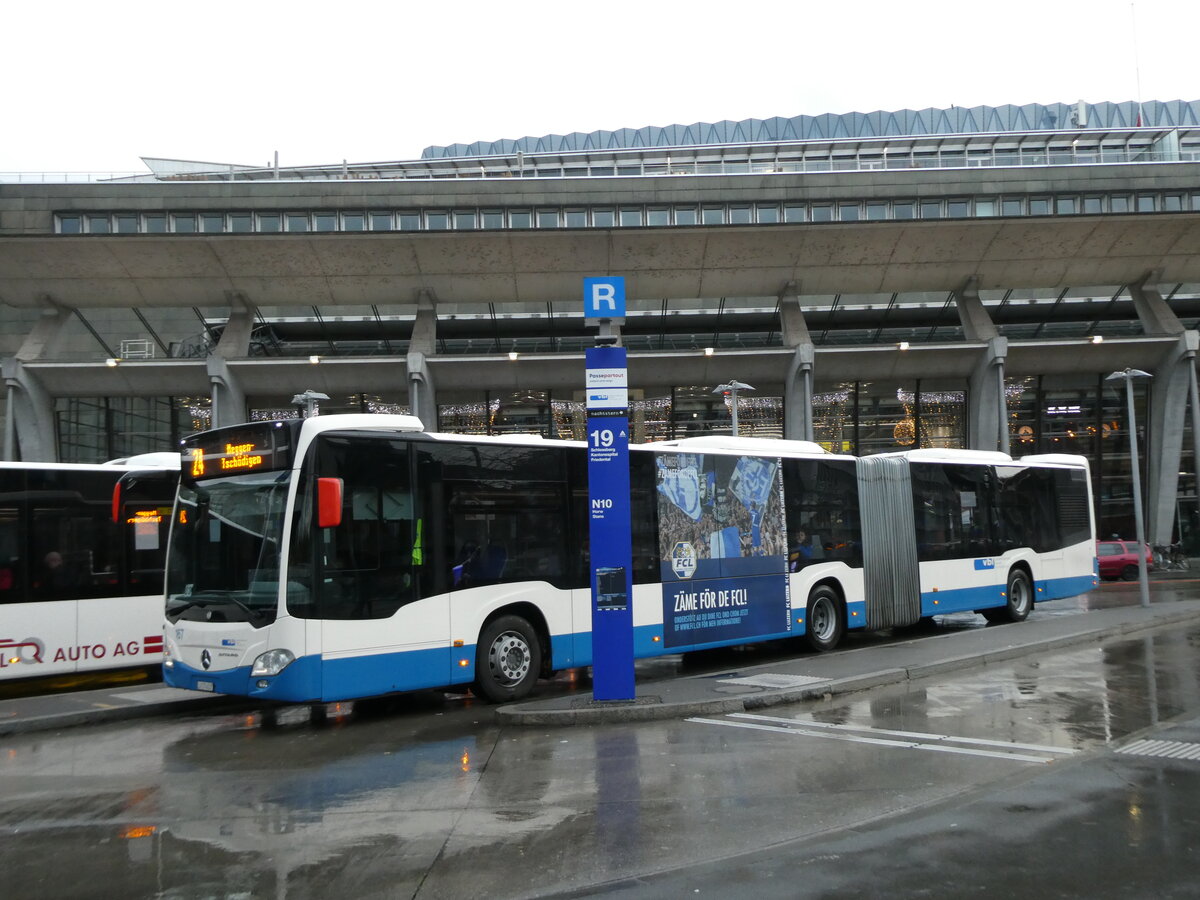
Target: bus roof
{"points": [[118, 465], [1060, 459], [165, 459], [947, 454], [364, 421], [745, 444]]}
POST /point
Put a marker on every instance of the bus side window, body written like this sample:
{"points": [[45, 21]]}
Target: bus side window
{"points": [[75, 546], [643, 515], [12, 572], [505, 510], [821, 508]]}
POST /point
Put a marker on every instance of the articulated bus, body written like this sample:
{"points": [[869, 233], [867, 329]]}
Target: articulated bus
{"points": [[337, 557], [82, 552]]}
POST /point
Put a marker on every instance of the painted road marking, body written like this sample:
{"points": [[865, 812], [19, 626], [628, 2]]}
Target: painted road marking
{"points": [[1165, 749], [767, 680], [1039, 748], [939, 743]]}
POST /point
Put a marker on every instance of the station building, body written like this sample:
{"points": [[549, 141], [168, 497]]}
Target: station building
{"points": [[964, 277]]}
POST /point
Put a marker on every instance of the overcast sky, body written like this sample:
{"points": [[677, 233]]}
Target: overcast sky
{"points": [[94, 86]]}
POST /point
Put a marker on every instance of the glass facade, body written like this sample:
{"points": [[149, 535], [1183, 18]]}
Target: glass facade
{"points": [[1088, 416], [688, 411], [627, 216], [98, 429], [863, 417]]}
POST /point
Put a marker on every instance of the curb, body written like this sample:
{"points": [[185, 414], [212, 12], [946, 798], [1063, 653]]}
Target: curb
{"points": [[650, 711]]}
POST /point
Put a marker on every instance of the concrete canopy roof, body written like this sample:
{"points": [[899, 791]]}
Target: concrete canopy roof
{"points": [[94, 271], [562, 371]]}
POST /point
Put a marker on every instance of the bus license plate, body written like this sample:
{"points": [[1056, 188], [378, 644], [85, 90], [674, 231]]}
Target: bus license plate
{"points": [[205, 686]]}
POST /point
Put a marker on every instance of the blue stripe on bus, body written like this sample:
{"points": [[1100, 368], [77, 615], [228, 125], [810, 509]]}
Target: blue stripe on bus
{"points": [[936, 603], [1054, 588], [311, 679], [300, 681]]}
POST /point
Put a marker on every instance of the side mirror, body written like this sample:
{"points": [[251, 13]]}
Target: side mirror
{"points": [[329, 502]]}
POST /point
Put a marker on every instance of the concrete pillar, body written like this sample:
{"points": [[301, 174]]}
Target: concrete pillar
{"points": [[977, 324], [1156, 315], [987, 410], [235, 338], [422, 393], [228, 397], [29, 432], [45, 338], [1168, 407], [797, 396], [29, 424], [798, 386], [422, 398]]}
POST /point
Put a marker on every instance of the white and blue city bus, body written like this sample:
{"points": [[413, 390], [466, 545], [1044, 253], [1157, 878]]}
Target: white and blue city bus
{"points": [[337, 557]]}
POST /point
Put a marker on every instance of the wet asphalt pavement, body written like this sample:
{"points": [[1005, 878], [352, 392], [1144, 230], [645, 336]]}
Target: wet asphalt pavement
{"points": [[1021, 777]]}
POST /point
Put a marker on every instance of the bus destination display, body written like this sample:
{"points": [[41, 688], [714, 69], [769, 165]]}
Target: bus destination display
{"points": [[237, 451]]}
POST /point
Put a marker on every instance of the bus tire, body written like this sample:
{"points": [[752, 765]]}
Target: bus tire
{"points": [[1018, 600], [824, 620], [508, 659]]}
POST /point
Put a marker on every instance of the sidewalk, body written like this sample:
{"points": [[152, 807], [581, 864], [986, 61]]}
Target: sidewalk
{"points": [[813, 677]]}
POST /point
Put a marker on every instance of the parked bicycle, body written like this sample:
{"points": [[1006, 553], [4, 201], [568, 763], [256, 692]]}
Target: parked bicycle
{"points": [[1171, 558]]}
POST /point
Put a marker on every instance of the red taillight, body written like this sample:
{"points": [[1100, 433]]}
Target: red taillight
{"points": [[116, 504]]}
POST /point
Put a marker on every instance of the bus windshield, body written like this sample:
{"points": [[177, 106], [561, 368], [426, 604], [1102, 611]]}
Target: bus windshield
{"points": [[223, 559]]}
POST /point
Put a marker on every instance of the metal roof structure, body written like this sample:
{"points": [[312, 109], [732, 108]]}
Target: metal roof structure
{"points": [[855, 125]]}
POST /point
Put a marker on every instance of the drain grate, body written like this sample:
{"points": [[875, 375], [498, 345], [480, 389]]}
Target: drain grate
{"points": [[1166, 749], [768, 680]]}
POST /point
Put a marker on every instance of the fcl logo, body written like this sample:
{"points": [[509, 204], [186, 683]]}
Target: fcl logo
{"points": [[683, 559]]}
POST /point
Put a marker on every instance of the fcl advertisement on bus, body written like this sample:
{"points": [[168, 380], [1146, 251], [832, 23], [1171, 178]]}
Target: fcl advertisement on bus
{"points": [[722, 548]]}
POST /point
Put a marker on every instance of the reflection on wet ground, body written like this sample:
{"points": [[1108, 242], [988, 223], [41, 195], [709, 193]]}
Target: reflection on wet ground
{"points": [[425, 795]]}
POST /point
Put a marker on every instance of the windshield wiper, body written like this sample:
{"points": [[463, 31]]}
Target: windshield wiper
{"points": [[216, 598]]}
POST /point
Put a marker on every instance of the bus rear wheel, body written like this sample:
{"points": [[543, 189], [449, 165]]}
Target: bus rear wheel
{"points": [[825, 619], [508, 659], [1018, 600]]}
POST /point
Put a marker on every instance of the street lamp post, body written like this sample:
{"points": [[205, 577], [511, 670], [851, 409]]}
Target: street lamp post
{"points": [[1127, 375], [309, 400], [731, 390]]}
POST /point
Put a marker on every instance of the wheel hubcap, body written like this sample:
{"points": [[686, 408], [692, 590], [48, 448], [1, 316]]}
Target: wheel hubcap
{"points": [[1019, 594], [821, 620], [509, 658]]}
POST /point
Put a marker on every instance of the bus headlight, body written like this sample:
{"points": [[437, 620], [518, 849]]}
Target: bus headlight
{"points": [[168, 655], [272, 662]]}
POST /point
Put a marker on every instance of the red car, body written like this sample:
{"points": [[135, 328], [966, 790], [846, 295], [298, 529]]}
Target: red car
{"points": [[1118, 559]]}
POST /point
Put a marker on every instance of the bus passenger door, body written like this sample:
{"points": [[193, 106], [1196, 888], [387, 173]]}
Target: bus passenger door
{"points": [[378, 633]]}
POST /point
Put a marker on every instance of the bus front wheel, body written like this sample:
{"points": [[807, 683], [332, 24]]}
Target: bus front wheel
{"points": [[1018, 600], [825, 619], [508, 659]]}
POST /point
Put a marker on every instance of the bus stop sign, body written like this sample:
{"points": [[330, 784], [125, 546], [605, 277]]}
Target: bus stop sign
{"points": [[609, 528], [604, 298]]}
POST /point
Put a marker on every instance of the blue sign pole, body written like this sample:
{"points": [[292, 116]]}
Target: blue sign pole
{"points": [[607, 383]]}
